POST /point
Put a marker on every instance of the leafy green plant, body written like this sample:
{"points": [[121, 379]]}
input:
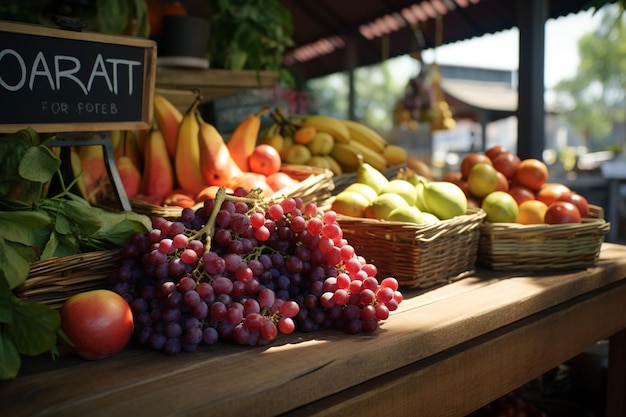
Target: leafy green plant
{"points": [[33, 227], [252, 34], [116, 17]]}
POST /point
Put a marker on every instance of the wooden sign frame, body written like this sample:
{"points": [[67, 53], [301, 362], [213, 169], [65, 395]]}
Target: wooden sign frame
{"points": [[59, 80]]}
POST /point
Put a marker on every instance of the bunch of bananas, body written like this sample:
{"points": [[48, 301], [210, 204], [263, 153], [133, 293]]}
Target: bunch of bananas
{"points": [[329, 142]]}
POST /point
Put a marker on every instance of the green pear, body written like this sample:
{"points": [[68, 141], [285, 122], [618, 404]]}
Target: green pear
{"points": [[416, 179], [444, 199], [403, 188], [350, 203], [363, 189], [367, 174], [410, 214], [428, 218], [383, 204], [419, 199]]}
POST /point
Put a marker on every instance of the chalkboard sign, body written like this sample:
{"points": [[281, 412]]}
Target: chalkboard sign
{"points": [[57, 80], [225, 113]]}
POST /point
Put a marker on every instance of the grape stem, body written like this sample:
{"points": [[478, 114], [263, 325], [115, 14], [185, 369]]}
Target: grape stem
{"points": [[209, 228]]}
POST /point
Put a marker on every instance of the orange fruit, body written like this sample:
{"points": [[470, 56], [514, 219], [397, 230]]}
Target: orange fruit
{"points": [[552, 192], [531, 173], [265, 160], [279, 180], [174, 8], [531, 212]]}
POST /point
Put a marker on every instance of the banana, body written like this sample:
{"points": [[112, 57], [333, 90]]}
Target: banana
{"points": [[365, 135], [168, 119], [333, 165], [187, 157], [395, 155], [346, 155], [328, 124]]}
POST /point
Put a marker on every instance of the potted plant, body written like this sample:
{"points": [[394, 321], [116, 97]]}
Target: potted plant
{"points": [[116, 17], [250, 34]]}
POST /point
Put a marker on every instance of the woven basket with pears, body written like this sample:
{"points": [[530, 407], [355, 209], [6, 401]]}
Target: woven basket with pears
{"points": [[543, 247], [434, 247]]}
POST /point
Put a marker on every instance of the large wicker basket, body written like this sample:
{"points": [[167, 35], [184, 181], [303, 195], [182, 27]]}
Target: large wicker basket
{"points": [[52, 281], [418, 256], [315, 185], [511, 246]]}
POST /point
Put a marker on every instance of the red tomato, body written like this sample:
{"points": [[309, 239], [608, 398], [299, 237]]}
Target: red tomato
{"points": [[506, 163], [561, 212], [521, 193], [494, 151], [578, 200]]}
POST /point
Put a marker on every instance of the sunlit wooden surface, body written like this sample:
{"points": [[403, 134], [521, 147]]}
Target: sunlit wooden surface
{"points": [[445, 352]]}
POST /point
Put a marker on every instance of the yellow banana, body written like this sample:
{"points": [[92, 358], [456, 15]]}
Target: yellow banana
{"points": [[346, 155], [328, 124], [395, 155], [365, 135], [333, 165], [187, 158], [168, 119]]}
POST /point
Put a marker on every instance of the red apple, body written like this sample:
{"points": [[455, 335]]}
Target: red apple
{"points": [[561, 212], [98, 322], [578, 200]]}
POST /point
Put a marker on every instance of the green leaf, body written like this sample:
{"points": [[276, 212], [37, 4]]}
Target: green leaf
{"points": [[15, 260], [87, 217], [34, 327], [25, 227], [6, 303], [12, 149], [63, 225], [68, 245], [39, 164], [10, 360], [50, 247], [116, 230]]}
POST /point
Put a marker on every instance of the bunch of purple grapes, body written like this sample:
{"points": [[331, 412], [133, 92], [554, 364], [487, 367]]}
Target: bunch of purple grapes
{"points": [[245, 269]]}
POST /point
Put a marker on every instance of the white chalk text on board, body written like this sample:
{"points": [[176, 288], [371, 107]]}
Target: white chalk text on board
{"points": [[45, 79]]}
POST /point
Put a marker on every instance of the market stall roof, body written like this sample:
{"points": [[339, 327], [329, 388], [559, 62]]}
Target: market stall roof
{"points": [[380, 29], [466, 97]]}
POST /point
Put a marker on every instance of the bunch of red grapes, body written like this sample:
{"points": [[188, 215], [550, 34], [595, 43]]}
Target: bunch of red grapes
{"points": [[243, 268]]}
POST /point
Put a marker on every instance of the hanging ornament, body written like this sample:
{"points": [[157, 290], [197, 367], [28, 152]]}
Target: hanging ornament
{"points": [[442, 119]]}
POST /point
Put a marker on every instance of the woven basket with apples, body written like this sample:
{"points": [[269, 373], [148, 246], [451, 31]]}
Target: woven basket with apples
{"points": [[531, 223]]}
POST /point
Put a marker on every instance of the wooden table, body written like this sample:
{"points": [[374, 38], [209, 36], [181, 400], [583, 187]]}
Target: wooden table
{"points": [[445, 352]]}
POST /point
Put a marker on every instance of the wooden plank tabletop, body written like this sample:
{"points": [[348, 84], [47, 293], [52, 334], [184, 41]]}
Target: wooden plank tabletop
{"points": [[300, 369]]}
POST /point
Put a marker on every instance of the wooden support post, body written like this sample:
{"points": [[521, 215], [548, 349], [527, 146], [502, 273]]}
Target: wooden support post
{"points": [[532, 15], [616, 378]]}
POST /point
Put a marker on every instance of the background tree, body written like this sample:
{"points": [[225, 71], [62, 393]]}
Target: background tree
{"points": [[595, 98]]}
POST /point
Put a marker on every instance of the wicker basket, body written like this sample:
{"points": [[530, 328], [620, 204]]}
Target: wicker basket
{"points": [[315, 185], [418, 256], [510, 246], [52, 281]]}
